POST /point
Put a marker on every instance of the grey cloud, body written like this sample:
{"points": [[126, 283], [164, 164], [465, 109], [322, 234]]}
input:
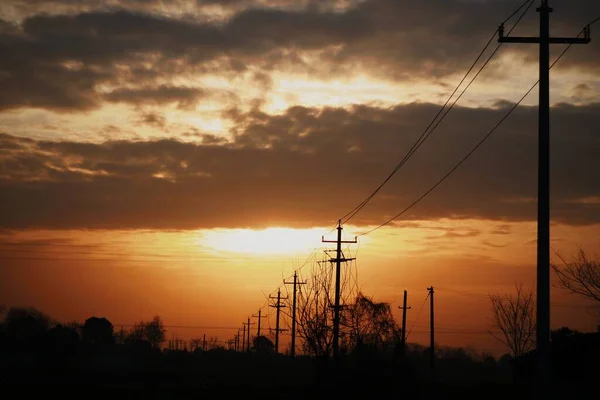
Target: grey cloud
{"points": [[395, 39], [185, 97], [153, 119], [295, 169]]}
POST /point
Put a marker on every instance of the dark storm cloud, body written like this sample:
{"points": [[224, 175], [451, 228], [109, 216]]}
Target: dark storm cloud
{"points": [[397, 39], [305, 167]]}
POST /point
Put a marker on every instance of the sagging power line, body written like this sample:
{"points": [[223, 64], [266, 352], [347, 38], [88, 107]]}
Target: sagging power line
{"points": [[442, 113]]}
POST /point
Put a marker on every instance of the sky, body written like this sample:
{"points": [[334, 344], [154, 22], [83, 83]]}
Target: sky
{"points": [[182, 158]]}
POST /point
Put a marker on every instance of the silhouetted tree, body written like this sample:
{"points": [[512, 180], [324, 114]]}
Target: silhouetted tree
{"points": [[196, 344], [581, 275], [152, 332], [62, 341], [563, 333], [155, 332], [370, 324], [22, 324], [514, 317], [314, 315], [263, 344], [211, 343], [98, 331]]}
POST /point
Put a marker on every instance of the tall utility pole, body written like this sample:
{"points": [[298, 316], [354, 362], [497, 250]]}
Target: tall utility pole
{"points": [[543, 210], [432, 334], [278, 306], [295, 283], [248, 334], [404, 308], [338, 261], [237, 341], [259, 316]]}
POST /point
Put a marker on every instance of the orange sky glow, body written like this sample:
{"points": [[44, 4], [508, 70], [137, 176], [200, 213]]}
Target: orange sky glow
{"points": [[183, 158]]}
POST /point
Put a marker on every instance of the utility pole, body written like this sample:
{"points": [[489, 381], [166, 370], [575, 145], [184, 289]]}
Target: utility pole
{"points": [[248, 333], [259, 316], [432, 336], [543, 203], [338, 261], [204, 342], [295, 283], [243, 336], [278, 306], [404, 308], [237, 341]]}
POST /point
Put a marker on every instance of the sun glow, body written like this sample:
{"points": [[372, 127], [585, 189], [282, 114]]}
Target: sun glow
{"points": [[274, 240]]}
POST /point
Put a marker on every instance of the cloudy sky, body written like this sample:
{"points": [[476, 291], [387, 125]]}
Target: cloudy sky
{"points": [[149, 149]]}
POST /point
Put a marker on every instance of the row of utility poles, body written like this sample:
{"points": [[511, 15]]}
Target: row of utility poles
{"points": [[277, 304]]}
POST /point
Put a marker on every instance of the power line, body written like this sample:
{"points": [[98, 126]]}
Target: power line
{"points": [[454, 168], [433, 124], [417, 317], [186, 326], [478, 144]]}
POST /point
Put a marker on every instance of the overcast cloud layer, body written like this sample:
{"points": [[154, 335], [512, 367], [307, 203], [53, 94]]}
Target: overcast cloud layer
{"points": [[92, 52], [104, 73], [305, 168]]}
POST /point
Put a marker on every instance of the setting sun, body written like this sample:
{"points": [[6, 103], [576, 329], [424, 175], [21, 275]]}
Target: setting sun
{"points": [[266, 241]]}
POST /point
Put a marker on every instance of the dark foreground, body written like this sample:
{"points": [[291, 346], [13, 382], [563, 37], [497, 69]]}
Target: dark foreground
{"points": [[224, 374]]}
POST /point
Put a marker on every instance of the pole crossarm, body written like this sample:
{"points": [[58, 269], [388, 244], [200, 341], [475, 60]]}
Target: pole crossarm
{"points": [[332, 260], [552, 40], [259, 316]]}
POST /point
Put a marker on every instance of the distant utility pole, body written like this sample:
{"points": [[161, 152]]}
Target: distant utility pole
{"points": [[432, 333], [237, 341], [543, 211], [404, 308], [278, 306], [248, 333], [244, 336], [295, 283], [338, 261], [204, 342], [259, 316]]}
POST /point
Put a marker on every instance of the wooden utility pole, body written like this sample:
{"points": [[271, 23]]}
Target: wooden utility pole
{"points": [[278, 306], [432, 335], [204, 342], [336, 308], [295, 283], [243, 336], [259, 316], [248, 334], [404, 308], [543, 205]]}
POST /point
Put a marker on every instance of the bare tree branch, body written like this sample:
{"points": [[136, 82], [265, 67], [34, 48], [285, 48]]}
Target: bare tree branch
{"points": [[514, 318], [580, 276]]}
